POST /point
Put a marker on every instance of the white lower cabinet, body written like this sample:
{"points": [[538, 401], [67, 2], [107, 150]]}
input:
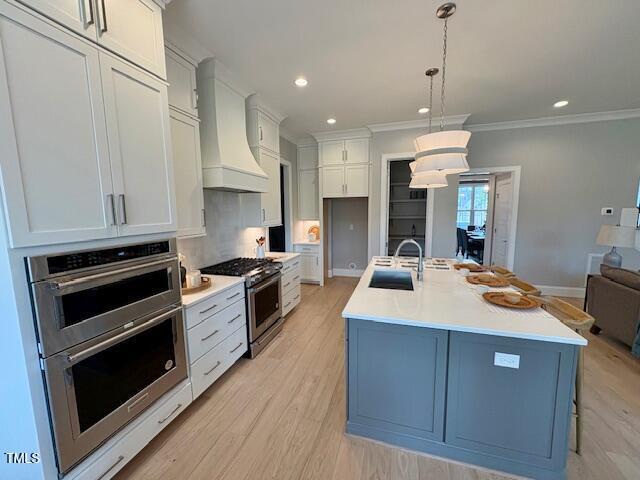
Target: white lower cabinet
{"points": [[290, 283], [310, 264], [126, 444], [216, 335], [216, 361]]}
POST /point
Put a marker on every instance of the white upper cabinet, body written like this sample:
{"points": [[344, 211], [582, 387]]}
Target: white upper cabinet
{"points": [[308, 194], [333, 182], [185, 139], [263, 131], [356, 181], [271, 212], [345, 167], [331, 152], [78, 15], [356, 150], [137, 115], [133, 29], [53, 144], [181, 75], [307, 157]]}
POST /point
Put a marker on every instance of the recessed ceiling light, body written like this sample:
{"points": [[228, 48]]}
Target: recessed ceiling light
{"points": [[423, 110], [331, 121], [301, 82], [560, 104]]}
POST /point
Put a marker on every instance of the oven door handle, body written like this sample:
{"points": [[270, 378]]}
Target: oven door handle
{"points": [[276, 278], [112, 273], [78, 357]]}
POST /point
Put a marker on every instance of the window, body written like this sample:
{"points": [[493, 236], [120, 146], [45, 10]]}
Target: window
{"points": [[473, 202]]}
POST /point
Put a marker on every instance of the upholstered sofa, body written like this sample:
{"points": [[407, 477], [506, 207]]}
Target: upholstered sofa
{"points": [[613, 299]]}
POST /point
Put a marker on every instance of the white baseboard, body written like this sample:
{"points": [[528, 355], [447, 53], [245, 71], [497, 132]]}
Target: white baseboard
{"points": [[576, 292], [346, 272]]}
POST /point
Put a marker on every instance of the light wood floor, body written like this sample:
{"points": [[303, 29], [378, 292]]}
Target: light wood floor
{"points": [[281, 416]]}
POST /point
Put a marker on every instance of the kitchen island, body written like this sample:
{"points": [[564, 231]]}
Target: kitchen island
{"points": [[437, 369]]}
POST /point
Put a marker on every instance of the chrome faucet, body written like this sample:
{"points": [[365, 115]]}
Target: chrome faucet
{"points": [[420, 265]]}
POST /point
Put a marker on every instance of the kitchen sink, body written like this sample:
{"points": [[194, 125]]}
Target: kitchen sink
{"points": [[391, 280]]}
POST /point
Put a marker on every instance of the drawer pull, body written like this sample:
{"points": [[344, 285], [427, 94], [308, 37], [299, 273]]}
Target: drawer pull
{"points": [[234, 319], [296, 297], [210, 335], [214, 367], [284, 269], [233, 296], [296, 277], [208, 309], [239, 345], [171, 414], [289, 303], [104, 474], [286, 284], [296, 264]]}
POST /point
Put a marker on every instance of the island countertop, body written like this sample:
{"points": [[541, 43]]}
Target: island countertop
{"points": [[445, 300]]}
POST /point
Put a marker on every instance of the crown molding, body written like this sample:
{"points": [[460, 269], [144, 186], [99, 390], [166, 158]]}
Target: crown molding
{"points": [[163, 3], [256, 101], [342, 134], [286, 134], [559, 120], [452, 120]]}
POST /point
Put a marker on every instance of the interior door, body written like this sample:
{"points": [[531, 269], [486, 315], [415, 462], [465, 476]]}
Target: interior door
{"points": [[308, 195], [356, 180], [53, 144], [133, 29], [333, 182], [185, 140], [502, 220], [78, 15], [271, 212], [181, 76], [332, 153], [140, 148]]}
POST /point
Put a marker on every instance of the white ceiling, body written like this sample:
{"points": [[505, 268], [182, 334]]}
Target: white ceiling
{"points": [[365, 59]]}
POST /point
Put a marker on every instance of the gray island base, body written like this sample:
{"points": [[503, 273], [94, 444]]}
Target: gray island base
{"points": [[498, 402]]}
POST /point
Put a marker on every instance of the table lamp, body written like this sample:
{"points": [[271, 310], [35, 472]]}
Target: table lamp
{"points": [[615, 236]]}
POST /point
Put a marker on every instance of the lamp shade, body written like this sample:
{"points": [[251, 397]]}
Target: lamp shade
{"points": [[428, 180], [444, 151], [616, 236]]}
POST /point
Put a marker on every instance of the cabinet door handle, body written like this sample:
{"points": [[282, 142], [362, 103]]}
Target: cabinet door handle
{"points": [[103, 27], [346, 153], [123, 209], [170, 415], [113, 208], [104, 474], [233, 296], [296, 297], [87, 12], [260, 128], [317, 261], [234, 319], [346, 189], [289, 303], [204, 218], [263, 217], [194, 99], [213, 368], [210, 335], [296, 277], [286, 285], [239, 345], [208, 309]]}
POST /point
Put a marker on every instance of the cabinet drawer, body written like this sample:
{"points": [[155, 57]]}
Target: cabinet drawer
{"points": [[216, 361], [209, 333], [290, 280], [201, 311], [306, 248], [122, 448], [291, 299], [290, 265]]}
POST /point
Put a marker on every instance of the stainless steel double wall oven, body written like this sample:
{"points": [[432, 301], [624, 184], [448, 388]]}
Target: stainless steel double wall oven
{"points": [[110, 337]]}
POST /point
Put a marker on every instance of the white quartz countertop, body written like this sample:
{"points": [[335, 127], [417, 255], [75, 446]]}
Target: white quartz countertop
{"points": [[219, 284], [282, 256], [446, 301]]}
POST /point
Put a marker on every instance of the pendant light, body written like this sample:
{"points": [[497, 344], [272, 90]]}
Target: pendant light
{"points": [[428, 179], [444, 151]]}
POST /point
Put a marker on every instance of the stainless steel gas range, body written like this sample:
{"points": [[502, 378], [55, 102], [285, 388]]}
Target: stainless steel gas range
{"points": [[263, 298]]}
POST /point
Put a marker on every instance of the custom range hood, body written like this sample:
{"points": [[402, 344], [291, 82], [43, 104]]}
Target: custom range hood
{"points": [[227, 161]]}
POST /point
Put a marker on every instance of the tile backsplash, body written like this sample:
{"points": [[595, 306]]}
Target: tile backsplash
{"points": [[226, 237]]}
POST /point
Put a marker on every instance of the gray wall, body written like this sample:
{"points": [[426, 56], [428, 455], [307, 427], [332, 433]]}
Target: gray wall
{"points": [[349, 246], [289, 152], [569, 172]]}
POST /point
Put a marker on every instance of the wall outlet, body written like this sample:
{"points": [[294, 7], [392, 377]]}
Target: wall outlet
{"points": [[607, 211], [507, 360], [351, 226]]}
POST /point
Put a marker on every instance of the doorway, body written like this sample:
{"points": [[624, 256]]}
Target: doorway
{"points": [[280, 239]]}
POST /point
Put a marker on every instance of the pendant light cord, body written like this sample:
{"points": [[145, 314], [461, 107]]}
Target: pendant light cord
{"points": [[444, 71], [430, 100]]}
